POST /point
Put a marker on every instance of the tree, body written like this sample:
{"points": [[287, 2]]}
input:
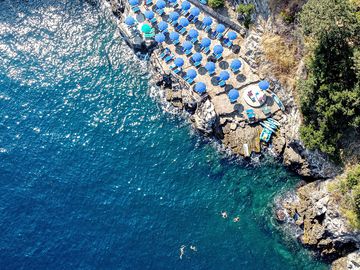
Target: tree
{"points": [[216, 3], [246, 10]]}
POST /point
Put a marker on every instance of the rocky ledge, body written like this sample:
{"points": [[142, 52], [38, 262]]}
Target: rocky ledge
{"points": [[315, 212]]}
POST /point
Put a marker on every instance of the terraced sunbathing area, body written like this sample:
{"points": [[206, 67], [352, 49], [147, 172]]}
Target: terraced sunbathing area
{"points": [[205, 53]]}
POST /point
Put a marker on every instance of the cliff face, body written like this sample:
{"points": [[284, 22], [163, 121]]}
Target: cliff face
{"points": [[316, 212]]}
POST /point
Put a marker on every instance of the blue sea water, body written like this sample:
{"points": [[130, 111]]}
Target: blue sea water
{"points": [[94, 175]]}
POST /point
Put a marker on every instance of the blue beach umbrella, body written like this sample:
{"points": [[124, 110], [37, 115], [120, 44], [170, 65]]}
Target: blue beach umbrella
{"points": [[205, 42], [200, 87], [210, 66], [179, 62], [172, 1], [264, 85], [162, 26], [220, 28], [207, 21], [195, 11], [193, 33], [218, 49], [130, 21], [191, 73], [134, 2], [224, 75], [235, 64], [233, 95], [160, 38], [187, 45], [197, 57], [232, 35], [185, 5], [184, 22], [149, 14], [174, 15], [174, 36], [160, 4]]}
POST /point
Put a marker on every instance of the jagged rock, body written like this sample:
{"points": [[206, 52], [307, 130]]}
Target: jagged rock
{"points": [[350, 262], [279, 143], [295, 162]]}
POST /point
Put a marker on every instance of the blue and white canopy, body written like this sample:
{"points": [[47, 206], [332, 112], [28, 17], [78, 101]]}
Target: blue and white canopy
{"points": [[200, 87], [162, 26], [197, 57], [210, 66], [159, 37], [174, 36], [160, 4], [174, 15], [224, 75], [191, 73], [207, 21], [233, 95], [179, 62], [235, 64], [220, 28], [205, 42], [185, 5], [187, 45], [130, 21], [264, 85], [195, 11], [232, 35], [149, 14], [193, 33], [218, 49], [184, 22]]}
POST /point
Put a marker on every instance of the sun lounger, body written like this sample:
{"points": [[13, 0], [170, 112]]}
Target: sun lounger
{"points": [[194, 40], [217, 56], [211, 72], [165, 52], [196, 64], [182, 30], [148, 2], [204, 2], [251, 115], [160, 11], [135, 9], [169, 58], [177, 70], [153, 20], [278, 102], [189, 80], [235, 70], [219, 36], [187, 52], [176, 42], [222, 83]]}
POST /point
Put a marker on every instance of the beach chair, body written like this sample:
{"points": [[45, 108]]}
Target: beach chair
{"points": [[217, 56], [153, 20], [206, 50], [251, 115], [135, 9], [165, 52], [221, 83], [266, 110], [204, 2], [187, 52], [219, 36], [169, 58], [160, 11], [174, 5], [197, 64], [194, 40], [182, 31], [228, 42], [177, 70], [185, 12], [235, 70], [148, 2], [189, 80], [176, 42], [165, 31]]}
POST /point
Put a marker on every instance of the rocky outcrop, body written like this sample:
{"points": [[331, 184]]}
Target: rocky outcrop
{"points": [[205, 117], [350, 262], [323, 228]]}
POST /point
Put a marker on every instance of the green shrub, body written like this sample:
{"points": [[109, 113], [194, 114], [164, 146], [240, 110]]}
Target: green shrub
{"points": [[287, 16], [216, 3], [246, 10], [353, 177]]}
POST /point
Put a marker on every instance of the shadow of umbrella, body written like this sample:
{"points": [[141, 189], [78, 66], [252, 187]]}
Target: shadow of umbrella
{"points": [[179, 50], [197, 47], [224, 65], [228, 87], [198, 25], [211, 58], [214, 81], [140, 17], [241, 78], [235, 49], [239, 108], [168, 41], [202, 71]]}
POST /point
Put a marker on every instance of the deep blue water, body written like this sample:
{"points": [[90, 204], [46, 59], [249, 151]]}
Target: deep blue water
{"points": [[94, 175]]}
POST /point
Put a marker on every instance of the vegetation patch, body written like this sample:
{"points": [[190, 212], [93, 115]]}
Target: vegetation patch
{"points": [[216, 3], [246, 10], [330, 95]]}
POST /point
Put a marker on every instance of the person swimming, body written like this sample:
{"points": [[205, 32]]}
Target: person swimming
{"points": [[193, 248], [182, 251], [236, 219], [224, 214]]}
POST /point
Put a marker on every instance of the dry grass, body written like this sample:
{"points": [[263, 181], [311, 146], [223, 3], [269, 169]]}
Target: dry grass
{"points": [[282, 59]]}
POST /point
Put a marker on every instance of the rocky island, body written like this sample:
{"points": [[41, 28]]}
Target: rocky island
{"points": [[311, 90]]}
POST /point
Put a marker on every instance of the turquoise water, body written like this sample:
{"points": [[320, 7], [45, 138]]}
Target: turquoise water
{"points": [[95, 176]]}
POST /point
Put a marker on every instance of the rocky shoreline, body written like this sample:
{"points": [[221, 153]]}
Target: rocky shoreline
{"points": [[311, 209]]}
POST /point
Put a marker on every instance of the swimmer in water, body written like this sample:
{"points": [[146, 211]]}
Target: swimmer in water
{"points": [[236, 219], [182, 251], [193, 248], [224, 214]]}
